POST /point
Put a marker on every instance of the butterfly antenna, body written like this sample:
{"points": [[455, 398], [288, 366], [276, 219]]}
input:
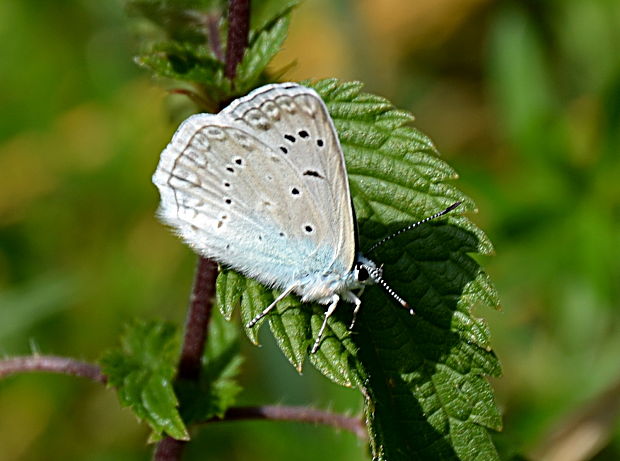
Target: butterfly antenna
{"points": [[413, 226], [375, 274]]}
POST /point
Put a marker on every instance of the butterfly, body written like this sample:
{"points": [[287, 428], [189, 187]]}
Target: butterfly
{"points": [[262, 188]]}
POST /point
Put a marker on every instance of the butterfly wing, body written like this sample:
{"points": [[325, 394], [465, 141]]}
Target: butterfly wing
{"points": [[261, 187]]}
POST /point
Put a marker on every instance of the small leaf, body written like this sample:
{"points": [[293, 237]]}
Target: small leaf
{"points": [[181, 61], [141, 371], [255, 59], [189, 63]]}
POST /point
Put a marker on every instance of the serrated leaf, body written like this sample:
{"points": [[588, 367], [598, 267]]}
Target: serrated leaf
{"points": [[189, 63], [422, 377], [181, 61], [217, 388], [261, 50], [141, 370]]}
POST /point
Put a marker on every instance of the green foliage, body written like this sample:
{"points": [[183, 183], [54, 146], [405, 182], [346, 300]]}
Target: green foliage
{"points": [[187, 52], [217, 388], [423, 377], [142, 370]]}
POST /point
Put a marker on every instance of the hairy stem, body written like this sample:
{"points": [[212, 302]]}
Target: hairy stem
{"points": [[170, 449], [238, 31], [51, 364], [197, 324], [299, 414]]}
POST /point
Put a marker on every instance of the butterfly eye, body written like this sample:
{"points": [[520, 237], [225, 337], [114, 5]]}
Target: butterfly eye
{"points": [[362, 274]]}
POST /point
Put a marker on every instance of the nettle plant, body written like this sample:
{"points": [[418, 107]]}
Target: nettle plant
{"points": [[422, 378]]}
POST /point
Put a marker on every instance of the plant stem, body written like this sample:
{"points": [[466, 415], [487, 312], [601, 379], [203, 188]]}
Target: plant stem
{"points": [[198, 317], [213, 32], [238, 31], [170, 449], [199, 314], [299, 414], [51, 364]]}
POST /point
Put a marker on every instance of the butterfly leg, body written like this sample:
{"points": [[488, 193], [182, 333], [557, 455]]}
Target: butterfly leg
{"points": [[358, 303], [266, 311], [328, 313]]}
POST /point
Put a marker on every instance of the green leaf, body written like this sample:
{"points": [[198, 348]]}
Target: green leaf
{"points": [[267, 12], [189, 63], [181, 61], [422, 377], [260, 52], [217, 388], [141, 370]]}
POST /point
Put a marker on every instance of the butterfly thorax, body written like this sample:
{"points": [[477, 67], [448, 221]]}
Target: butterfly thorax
{"points": [[321, 287]]}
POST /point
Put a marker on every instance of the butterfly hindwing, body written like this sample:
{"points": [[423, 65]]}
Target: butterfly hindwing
{"points": [[293, 120]]}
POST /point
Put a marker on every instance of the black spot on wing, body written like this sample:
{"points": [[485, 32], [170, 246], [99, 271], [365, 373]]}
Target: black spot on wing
{"points": [[313, 173]]}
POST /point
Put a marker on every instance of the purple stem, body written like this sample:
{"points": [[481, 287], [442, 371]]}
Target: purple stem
{"points": [[51, 364], [197, 324], [213, 32], [170, 449], [299, 414], [238, 31]]}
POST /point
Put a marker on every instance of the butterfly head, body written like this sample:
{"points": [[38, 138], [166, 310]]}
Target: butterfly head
{"points": [[367, 272]]}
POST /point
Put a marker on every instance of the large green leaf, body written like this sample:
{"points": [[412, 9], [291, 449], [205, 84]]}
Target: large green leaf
{"points": [[422, 377], [141, 370]]}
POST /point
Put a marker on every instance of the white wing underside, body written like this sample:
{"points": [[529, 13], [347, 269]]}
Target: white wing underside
{"points": [[261, 187]]}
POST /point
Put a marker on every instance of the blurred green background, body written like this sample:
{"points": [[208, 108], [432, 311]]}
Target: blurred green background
{"points": [[521, 97]]}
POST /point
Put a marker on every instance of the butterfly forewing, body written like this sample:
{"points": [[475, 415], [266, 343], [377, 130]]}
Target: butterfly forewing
{"points": [[261, 187]]}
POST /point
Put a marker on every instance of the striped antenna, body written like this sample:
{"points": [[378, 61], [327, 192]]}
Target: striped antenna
{"points": [[412, 226], [375, 274]]}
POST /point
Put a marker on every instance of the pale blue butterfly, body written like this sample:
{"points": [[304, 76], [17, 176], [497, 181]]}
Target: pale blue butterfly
{"points": [[261, 187]]}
